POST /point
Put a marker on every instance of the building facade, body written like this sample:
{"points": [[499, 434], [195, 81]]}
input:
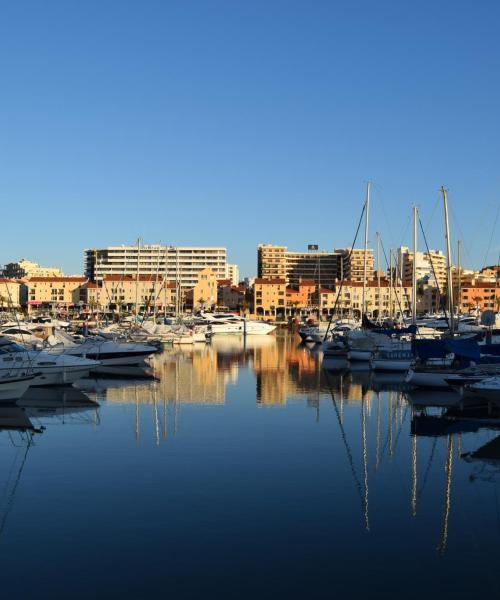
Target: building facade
{"points": [[179, 263], [233, 273], [427, 263], [324, 268], [56, 292], [123, 293], [269, 296], [204, 294]]}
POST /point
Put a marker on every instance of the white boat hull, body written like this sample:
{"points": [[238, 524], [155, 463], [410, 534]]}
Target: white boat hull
{"points": [[12, 388], [387, 364]]}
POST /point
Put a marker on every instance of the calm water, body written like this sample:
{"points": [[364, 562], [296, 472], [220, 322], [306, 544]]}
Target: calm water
{"points": [[246, 471]]}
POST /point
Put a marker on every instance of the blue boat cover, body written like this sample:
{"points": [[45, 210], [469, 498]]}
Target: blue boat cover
{"points": [[463, 348]]}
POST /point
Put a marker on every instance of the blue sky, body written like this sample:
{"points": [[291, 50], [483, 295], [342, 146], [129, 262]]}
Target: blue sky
{"points": [[233, 123]]}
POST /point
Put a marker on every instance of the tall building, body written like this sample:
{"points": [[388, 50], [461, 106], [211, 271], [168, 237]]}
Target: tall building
{"points": [[28, 268], [233, 273], [277, 262], [314, 265], [174, 263], [352, 264], [427, 264]]}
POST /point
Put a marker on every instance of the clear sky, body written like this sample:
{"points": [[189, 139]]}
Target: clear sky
{"points": [[233, 123]]}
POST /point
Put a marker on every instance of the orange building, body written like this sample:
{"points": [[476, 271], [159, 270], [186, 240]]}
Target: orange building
{"points": [[269, 296], [303, 295], [481, 295]]}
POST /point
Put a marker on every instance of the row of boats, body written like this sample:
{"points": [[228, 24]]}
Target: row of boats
{"points": [[45, 352], [468, 361]]}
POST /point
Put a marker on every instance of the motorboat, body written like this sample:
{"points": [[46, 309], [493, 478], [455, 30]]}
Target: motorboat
{"points": [[228, 323], [50, 369], [106, 352]]}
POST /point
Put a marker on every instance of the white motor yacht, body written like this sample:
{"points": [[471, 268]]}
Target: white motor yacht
{"points": [[228, 323], [50, 369], [106, 352]]}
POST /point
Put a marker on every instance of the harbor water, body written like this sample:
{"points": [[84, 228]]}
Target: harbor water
{"points": [[247, 470]]}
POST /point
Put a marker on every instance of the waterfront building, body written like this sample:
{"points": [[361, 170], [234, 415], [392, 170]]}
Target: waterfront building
{"points": [[204, 294], [10, 293], [116, 292], [427, 263], [477, 295], [269, 296], [350, 299], [174, 263], [233, 273], [56, 292], [27, 268]]}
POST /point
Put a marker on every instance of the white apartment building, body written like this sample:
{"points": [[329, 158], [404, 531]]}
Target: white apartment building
{"points": [[174, 263], [427, 263], [233, 273]]}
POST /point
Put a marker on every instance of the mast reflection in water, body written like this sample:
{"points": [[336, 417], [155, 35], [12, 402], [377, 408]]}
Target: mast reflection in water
{"points": [[245, 469]]}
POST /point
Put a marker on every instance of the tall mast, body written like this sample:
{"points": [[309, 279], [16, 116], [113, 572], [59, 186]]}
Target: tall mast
{"points": [[365, 264], [137, 278], [391, 280], [449, 282], [379, 307], [414, 273], [459, 268]]}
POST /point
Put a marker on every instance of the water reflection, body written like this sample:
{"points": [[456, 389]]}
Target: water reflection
{"points": [[256, 440]]}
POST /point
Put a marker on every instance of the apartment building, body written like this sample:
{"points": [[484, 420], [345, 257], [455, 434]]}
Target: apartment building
{"points": [[427, 263], [174, 263], [321, 267], [117, 292], [56, 292], [269, 296], [477, 295], [352, 264], [204, 293], [233, 273], [27, 268], [387, 302]]}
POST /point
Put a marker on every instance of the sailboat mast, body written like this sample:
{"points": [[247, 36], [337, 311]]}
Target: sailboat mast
{"points": [[379, 305], [414, 272], [459, 269], [137, 278], [391, 281], [449, 282], [365, 264]]}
